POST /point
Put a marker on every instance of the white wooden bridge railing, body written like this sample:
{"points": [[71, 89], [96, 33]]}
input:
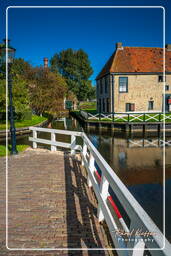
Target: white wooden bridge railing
{"points": [[54, 144], [130, 245]]}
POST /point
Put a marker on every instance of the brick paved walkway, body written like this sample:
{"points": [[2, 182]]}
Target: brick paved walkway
{"points": [[49, 206]]}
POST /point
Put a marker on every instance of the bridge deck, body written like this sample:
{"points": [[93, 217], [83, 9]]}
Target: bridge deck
{"points": [[50, 205]]}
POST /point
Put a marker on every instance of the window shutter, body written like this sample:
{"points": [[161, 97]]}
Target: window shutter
{"points": [[127, 106], [132, 107]]}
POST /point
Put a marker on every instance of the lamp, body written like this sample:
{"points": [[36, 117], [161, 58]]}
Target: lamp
{"points": [[10, 51]]}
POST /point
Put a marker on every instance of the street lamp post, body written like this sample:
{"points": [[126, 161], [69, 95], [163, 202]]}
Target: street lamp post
{"points": [[10, 57]]}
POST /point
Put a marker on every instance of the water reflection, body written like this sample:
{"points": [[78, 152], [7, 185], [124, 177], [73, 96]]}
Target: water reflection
{"points": [[137, 164]]}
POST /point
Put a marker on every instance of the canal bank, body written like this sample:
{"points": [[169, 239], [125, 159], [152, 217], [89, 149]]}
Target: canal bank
{"points": [[135, 122], [22, 130]]}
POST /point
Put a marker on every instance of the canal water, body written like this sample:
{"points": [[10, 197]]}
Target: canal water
{"points": [[136, 159]]}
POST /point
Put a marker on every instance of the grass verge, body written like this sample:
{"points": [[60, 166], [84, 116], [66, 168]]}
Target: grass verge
{"points": [[24, 123], [20, 148], [87, 105]]}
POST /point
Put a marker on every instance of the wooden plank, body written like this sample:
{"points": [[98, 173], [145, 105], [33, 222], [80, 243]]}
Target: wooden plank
{"points": [[35, 137], [73, 144], [49, 142], [53, 139], [65, 132], [60, 144], [104, 187]]}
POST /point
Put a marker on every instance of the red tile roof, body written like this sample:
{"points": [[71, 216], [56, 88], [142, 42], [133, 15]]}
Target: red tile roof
{"points": [[137, 59]]}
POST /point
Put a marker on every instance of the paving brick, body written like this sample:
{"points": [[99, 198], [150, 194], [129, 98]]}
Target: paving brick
{"points": [[49, 205]]}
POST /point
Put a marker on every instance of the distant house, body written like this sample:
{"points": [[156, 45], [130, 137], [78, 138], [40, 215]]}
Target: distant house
{"points": [[132, 80]]}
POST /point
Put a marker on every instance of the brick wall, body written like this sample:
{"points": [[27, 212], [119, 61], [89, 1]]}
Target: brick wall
{"points": [[141, 90]]}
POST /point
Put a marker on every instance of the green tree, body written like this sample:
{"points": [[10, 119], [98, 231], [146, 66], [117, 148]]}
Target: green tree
{"points": [[75, 67], [47, 91], [20, 71], [91, 95], [22, 68], [21, 96], [2, 93]]}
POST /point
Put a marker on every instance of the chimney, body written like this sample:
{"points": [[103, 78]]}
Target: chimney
{"points": [[119, 46], [45, 60], [168, 47]]}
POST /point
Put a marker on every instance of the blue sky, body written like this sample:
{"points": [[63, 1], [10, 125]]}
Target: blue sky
{"points": [[38, 33]]}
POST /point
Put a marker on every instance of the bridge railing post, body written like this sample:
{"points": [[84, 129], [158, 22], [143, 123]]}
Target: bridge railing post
{"points": [[73, 144], [84, 153], [34, 137], [144, 117], [91, 168], [104, 186], [159, 117], [137, 242], [53, 139]]}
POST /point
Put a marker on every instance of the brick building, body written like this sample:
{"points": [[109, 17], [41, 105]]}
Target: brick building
{"points": [[132, 80]]}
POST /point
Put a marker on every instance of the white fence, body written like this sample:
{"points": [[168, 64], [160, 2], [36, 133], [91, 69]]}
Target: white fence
{"points": [[129, 240], [54, 144], [128, 116]]}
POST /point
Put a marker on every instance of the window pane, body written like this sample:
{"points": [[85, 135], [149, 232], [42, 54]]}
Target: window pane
{"points": [[123, 84], [127, 106], [167, 87], [150, 105], [123, 79]]}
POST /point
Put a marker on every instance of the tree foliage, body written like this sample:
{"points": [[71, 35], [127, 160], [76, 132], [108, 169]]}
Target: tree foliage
{"points": [[21, 97], [75, 67], [47, 91], [2, 94], [33, 88]]}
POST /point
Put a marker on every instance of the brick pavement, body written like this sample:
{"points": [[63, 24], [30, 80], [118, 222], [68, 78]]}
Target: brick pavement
{"points": [[50, 205]]}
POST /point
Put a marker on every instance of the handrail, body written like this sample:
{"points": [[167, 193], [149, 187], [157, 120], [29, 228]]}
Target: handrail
{"points": [[54, 144], [57, 131], [139, 219]]}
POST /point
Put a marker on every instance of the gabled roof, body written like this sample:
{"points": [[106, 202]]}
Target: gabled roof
{"points": [[137, 59]]}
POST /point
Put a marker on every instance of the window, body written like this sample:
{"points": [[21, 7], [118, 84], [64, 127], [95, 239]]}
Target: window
{"points": [[123, 84], [101, 86], [167, 88], [106, 89], [99, 105], [103, 105], [150, 105], [130, 106], [107, 104], [161, 78]]}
